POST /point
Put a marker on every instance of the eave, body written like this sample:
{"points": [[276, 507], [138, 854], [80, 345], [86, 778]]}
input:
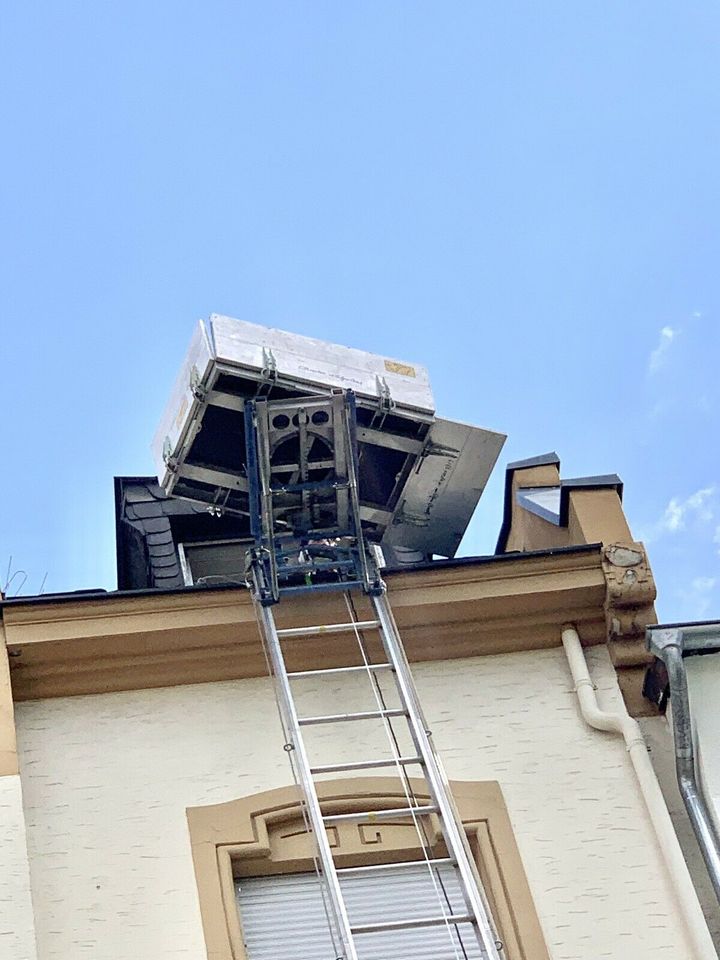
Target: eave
{"points": [[110, 642]]}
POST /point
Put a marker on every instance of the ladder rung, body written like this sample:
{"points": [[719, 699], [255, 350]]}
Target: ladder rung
{"points": [[363, 715], [364, 764], [409, 924], [315, 566], [321, 587], [330, 670], [320, 534], [316, 465], [378, 867], [329, 628], [312, 486], [386, 814]]}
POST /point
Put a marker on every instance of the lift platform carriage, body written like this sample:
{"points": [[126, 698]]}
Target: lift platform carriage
{"points": [[420, 476], [305, 510], [303, 496]]}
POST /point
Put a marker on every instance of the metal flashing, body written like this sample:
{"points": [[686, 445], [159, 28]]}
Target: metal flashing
{"points": [[454, 562], [542, 501], [542, 460], [600, 482], [610, 481], [695, 638]]}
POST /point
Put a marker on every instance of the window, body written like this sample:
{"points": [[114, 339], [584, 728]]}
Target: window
{"points": [[213, 561], [254, 869], [283, 917]]}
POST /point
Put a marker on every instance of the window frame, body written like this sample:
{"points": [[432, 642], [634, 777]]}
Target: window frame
{"points": [[265, 834], [186, 563]]}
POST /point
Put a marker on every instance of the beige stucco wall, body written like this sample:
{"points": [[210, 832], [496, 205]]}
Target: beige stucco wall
{"points": [[17, 934], [107, 779]]}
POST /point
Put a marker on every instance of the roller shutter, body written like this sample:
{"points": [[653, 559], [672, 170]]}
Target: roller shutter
{"points": [[283, 916]]}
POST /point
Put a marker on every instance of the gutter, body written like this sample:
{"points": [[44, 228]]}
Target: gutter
{"points": [[623, 723], [671, 645]]}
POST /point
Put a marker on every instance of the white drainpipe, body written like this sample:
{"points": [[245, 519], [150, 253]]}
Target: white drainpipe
{"points": [[624, 724]]}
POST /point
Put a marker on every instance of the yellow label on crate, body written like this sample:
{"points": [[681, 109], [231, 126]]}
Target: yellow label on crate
{"points": [[392, 366]]}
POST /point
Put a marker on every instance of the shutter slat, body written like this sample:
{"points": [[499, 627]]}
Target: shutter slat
{"points": [[283, 917]]}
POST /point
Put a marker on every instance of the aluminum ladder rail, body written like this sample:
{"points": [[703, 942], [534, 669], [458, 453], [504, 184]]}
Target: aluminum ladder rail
{"points": [[477, 914]]}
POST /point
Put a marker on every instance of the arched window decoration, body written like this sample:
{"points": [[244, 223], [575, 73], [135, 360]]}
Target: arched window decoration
{"points": [[265, 835]]}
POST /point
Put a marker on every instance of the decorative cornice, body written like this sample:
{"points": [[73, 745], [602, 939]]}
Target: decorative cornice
{"points": [[106, 642], [629, 610], [629, 602]]}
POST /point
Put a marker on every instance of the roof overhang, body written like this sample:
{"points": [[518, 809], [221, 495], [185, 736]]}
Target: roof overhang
{"points": [[99, 643]]}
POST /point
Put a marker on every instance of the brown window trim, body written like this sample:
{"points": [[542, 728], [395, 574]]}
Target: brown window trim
{"points": [[265, 834]]}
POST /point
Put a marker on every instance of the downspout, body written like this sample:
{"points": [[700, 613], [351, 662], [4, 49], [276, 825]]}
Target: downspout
{"points": [[668, 646], [624, 724]]}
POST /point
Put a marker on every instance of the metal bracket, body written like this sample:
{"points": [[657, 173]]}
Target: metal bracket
{"points": [[385, 400], [690, 638], [438, 450], [198, 391], [411, 519], [269, 367], [170, 461]]}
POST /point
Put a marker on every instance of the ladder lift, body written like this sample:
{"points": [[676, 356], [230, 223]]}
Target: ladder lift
{"points": [[305, 516]]}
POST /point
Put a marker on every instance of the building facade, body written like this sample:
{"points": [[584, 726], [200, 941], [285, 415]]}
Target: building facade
{"points": [[148, 806]]}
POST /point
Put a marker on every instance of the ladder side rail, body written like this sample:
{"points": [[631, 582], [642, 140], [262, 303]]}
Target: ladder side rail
{"points": [[260, 421], [287, 704], [266, 497], [350, 427], [437, 781], [252, 471], [341, 453], [303, 452]]}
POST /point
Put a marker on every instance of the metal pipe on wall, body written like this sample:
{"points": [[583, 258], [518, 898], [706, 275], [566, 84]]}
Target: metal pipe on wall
{"points": [[671, 653], [671, 851]]}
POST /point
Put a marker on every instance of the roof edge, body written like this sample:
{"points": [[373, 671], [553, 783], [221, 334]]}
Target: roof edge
{"points": [[93, 596], [606, 481], [542, 460]]}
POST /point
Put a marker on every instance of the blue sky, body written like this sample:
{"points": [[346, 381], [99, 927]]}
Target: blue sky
{"points": [[525, 197]]}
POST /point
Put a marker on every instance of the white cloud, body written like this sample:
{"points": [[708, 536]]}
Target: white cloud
{"points": [[698, 503], [672, 519], [698, 596], [658, 357], [703, 584], [699, 506]]}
